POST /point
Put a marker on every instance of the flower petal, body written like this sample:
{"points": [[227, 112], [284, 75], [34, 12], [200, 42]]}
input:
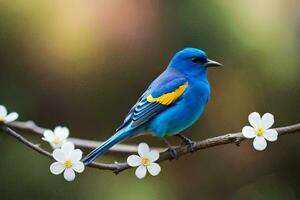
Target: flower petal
{"points": [[154, 169], [57, 129], [3, 111], [141, 171], [271, 135], [68, 147], [259, 143], [48, 136], [61, 132], [11, 117], [78, 167], [57, 168], [254, 119], [143, 149], [267, 120], [69, 174], [76, 155], [248, 132], [59, 155], [153, 155], [134, 160]]}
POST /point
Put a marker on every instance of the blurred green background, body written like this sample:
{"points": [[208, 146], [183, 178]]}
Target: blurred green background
{"points": [[83, 64]]}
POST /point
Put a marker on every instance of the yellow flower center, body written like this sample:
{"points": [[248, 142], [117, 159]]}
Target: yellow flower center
{"points": [[55, 140], [68, 163], [2, 119], [260, 131], [145, 161]]}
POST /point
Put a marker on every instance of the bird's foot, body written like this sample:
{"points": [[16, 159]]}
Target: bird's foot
{"points": [[186, 141], [190, 144], [171, 149], [173, 153]]}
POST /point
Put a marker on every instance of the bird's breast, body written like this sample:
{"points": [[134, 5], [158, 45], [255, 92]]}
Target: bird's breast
{"points": [[195, 99], [197, 93], [185, 112]]}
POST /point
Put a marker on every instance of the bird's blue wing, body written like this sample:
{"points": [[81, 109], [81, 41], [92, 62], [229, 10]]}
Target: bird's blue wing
{"points": [[159, 96]]}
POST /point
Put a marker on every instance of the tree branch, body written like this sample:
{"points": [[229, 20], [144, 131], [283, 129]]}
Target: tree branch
{"points": [[234, 138], [42, 151], [30, 126]]}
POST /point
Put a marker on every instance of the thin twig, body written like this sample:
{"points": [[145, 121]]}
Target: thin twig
{"points": [[231, 138], [42, 151], [30, 126], [26, 142]]}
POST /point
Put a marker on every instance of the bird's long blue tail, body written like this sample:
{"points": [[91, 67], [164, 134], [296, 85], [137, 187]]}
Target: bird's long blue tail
{"points": [[116, 138]]}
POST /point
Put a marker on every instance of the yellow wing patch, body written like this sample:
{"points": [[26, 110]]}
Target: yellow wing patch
{"points": [[167, 99]]}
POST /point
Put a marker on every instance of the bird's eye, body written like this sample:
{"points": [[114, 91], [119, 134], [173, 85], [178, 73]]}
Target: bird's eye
{"points": [[196, 59]]}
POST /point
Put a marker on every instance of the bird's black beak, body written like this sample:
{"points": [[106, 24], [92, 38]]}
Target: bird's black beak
{"points": [[211, 63]]}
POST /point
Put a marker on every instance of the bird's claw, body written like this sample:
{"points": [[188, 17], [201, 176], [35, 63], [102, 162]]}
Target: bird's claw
{"points": [[186, 141], [173, 153], [190, 145]]}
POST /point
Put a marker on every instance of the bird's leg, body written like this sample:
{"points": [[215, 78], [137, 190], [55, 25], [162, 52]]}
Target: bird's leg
{"points": [[173, 152], [187, 141]]}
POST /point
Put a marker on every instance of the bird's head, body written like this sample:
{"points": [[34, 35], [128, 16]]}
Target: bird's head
{"points": [[193, 62]]}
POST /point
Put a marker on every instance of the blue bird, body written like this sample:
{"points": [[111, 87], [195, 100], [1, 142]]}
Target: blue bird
{"points": [[173, 102]]}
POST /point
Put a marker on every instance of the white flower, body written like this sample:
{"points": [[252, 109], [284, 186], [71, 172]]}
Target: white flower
{"points": [[7, 118], [68, 161], [57, 138], [145, 161], [260, 130]]}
